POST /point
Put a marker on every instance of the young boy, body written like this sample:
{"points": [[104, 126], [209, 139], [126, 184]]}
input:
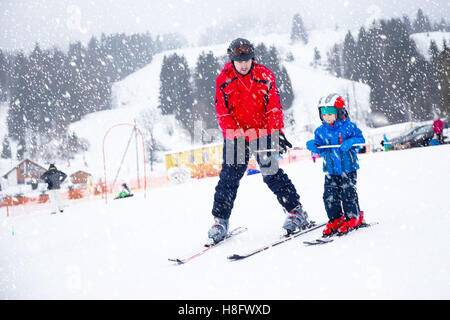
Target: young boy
{"points": [[339, 163]]}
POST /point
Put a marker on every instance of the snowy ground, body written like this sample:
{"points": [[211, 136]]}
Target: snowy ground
{"points": [[120, 250]]}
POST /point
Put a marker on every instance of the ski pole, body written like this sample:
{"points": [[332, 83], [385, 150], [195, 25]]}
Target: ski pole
{"points": [[338, 145], [272, 150], [320, 147]]}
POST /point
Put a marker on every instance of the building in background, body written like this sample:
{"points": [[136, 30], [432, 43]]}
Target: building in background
{"points": [[25, 172]]}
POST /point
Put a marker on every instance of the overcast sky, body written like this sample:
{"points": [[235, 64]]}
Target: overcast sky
{"points": [[59, 22]]}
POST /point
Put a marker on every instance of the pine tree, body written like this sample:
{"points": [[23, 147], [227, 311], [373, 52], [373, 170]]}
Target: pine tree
{"points": [[19, 100], [148, 121], [60, 88], [361, 68], [407, 24], [284, 85], [37, 110], [374, 73], [167, 88], [271, 60], [184, 96], [175, 95], [6, 149], [21, 149], [261, 54], [421, 23], [433, 77], [99, 92], [3, 77], [34, 146], [317, 58], [349, 57], [206, 72], [443, 69], [298, 31], [76, 82], [334, 61], [442, 26]]}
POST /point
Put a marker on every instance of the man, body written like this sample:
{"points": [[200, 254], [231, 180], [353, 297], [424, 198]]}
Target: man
{"points": [[53, 177], [250, 115]]}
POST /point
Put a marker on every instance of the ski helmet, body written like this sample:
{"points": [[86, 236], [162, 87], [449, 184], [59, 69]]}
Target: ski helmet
{"points": [[241, 50], [333, 100]]}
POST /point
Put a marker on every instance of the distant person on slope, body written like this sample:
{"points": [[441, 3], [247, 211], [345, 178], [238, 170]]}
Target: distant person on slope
{"points": [[385, 142], [53, 177], [339, 164], [438, 129], [434, 141], [250, 115], [125, 192]]}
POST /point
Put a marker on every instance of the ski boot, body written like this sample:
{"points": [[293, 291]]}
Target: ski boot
{"points": [[351, 223], [219, 230], [332, 226], [296, 219]]}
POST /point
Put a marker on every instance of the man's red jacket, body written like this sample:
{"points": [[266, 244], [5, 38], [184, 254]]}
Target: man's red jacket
{"points": [[248, 105]]}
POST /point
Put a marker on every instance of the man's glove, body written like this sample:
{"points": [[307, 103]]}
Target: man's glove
{"points": [[283, 143], [312, 146], [347, 145]]}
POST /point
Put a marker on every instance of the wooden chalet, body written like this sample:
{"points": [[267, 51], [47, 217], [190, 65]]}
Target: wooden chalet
{"points": [[24, 172]]}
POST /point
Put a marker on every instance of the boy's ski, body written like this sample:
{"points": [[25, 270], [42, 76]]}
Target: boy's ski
{"points": [[275, 243], [325, 240], [207, 247]]}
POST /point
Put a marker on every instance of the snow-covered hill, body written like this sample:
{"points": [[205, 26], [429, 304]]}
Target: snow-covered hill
{"points": [[120, 250]]}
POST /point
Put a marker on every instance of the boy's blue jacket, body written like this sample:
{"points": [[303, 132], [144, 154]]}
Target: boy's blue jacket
{"points": [[337, 160]]}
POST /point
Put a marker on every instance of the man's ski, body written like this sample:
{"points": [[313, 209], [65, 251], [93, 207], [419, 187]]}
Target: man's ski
{"points": [[325, 240], [318, 241], [207, 247], [275, 243]]}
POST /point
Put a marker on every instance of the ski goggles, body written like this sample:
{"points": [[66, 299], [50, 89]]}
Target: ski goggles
{"points": [[242, 49], [328, 110]]}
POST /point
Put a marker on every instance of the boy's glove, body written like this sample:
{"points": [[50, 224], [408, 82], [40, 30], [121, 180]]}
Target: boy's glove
{"points": [[312, 146]]}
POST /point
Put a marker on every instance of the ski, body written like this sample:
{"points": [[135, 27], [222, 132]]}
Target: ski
{"points": [[318, 241], [209, 246], [284, 239], [325, 240]]}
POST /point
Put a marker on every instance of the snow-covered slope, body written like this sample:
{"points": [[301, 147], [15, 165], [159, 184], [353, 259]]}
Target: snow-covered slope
{"points": [[120, 250]]}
